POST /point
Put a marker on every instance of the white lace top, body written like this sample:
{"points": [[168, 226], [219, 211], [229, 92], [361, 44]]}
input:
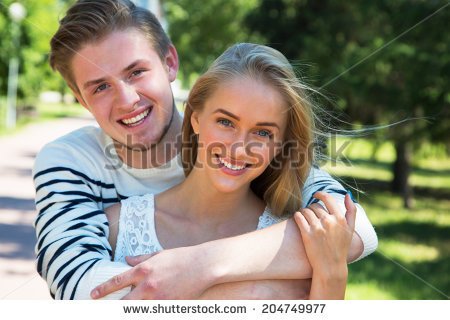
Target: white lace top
{"points": [[137, 233]]}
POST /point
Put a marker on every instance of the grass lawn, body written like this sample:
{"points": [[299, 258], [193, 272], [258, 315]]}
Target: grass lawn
{"points": [[43, 112], [413, 257]]}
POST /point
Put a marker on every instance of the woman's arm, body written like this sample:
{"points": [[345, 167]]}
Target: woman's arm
{"points": [[260, 290], [276, 252]]}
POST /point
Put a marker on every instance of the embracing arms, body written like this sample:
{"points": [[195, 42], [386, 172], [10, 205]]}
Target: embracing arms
{"points": [[74, 254], [276, 252]]}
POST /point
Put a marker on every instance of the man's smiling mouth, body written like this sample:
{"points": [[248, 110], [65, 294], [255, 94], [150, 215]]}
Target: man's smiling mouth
{"points": [[138, 119]]}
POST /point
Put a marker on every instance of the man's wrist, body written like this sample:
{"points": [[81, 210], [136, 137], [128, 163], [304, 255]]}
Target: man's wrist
{"points": [[212, 266]]}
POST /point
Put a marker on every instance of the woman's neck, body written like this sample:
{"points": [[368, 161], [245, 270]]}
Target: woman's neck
{"points": [[203, 203]]}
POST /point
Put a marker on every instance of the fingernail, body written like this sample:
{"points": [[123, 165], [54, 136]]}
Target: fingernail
{"points": [[94, 294]]}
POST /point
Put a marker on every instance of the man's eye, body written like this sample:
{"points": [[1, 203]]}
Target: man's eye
{"points": [[225, 122], [137, 73], [101, 88]]}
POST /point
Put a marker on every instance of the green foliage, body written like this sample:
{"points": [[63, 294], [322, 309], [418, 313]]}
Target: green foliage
{"points": [[413, 257], [429, 169], [202, 30], [35, 33], [384, 59]]}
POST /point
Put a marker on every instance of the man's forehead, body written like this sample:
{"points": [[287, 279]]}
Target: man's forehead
{"points": [[112, 55]]}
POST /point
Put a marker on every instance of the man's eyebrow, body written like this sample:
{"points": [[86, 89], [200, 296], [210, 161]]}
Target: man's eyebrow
{"points": [[269, 124], [100, 80], [132, 65], [93, 82]]}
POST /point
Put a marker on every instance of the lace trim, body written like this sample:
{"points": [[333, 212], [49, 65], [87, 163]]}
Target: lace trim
{"points": [[267, 219], [136, 234]]}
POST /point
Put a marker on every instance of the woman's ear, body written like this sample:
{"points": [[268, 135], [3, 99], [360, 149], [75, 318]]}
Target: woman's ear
{"points": [[194, 122]]}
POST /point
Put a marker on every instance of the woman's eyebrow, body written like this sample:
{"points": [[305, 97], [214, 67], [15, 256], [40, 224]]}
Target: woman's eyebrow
{"points": [[227, 113], [270, 124]]}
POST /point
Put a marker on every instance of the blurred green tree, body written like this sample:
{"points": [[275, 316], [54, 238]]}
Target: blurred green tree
{"points": [[36, 30], [385, 60], [202, 30]]}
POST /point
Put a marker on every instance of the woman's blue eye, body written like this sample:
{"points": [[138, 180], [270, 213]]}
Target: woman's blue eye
{"points": [[264, 133], [225, 122]]}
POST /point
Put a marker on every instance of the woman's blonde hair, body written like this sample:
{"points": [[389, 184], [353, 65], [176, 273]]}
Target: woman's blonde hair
{"points": [[281, 184]]}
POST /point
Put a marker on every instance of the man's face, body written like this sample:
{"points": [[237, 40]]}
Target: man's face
{"points": [[126, 86]]}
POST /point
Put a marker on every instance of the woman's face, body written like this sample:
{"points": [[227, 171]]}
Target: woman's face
{"points": [[241, 129]]}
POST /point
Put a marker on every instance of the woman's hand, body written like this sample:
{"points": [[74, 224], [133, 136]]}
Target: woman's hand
{"points": [[327, 235]]}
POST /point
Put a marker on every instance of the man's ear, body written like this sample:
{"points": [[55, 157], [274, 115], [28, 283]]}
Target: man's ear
{"points": [[172, 63], [194, 122]]}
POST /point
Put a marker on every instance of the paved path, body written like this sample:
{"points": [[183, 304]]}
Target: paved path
{"points": [[18, 278]]}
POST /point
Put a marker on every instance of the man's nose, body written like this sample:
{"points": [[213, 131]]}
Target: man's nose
{"points": [[126, 96]]}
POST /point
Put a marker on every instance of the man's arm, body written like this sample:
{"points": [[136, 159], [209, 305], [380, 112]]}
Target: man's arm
{"points": [[70, 226], [276, 252]]}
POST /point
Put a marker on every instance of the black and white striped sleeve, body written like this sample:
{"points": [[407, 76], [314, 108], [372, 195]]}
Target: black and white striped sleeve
{"points": [[72, 230]]}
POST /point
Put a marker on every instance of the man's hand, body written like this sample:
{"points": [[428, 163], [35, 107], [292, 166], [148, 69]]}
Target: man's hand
{"points": [[170, 274]]}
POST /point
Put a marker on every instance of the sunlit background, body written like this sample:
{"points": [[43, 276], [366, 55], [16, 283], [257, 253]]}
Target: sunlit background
{"points": [[381, 71]]}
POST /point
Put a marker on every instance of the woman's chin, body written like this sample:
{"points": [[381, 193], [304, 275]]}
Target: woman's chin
{"points": [[228, 188]]}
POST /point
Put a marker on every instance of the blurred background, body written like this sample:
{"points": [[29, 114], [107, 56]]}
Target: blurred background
{"points": [[381, 71]]}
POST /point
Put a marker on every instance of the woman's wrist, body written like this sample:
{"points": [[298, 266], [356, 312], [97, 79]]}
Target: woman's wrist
{"points": [[329, 285], [335, 274]]}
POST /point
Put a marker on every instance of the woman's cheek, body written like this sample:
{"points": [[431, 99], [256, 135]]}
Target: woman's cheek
{"points": [[260, 155]]}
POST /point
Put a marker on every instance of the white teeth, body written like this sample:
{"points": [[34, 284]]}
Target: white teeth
{"points": [[136, 119], [230, 166]]}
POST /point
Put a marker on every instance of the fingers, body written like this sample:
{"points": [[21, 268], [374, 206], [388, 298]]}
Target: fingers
{"points": [[136, 294], [318, 210], [329, 201], [135, 260], [350, 215], [301, 222], [114, 284]]}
